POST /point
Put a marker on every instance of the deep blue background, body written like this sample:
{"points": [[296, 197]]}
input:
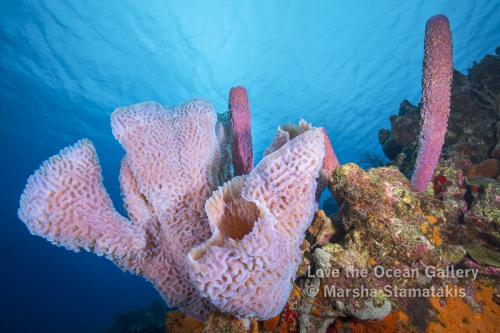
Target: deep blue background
{"points": [[65, 65]]}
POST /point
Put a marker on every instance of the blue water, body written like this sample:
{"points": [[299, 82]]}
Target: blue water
{"points": [[65, 65]]}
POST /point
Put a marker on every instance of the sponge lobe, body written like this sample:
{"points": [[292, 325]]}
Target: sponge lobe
{"points": [[171, 153], [174, 159], [65, 202]]}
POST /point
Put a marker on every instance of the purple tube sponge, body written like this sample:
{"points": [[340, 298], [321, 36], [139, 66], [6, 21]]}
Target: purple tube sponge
{"points": [[241, 131], [436, 81]]}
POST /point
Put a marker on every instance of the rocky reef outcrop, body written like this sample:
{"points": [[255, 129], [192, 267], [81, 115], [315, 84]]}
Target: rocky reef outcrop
{"points": [[467, 177], [393, 259], [399, 261]]}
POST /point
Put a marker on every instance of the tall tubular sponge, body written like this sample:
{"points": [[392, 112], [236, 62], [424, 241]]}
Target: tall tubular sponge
{"points": [[436, 82]]}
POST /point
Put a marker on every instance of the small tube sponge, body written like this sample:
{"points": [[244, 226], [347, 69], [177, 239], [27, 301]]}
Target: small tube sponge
{"points": [[437, 76], [330, 162], [241, 131], [65, 203], [258, 223]]}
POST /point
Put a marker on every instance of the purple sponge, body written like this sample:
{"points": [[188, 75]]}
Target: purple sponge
{"points": [[437, 75], [241, 131]]}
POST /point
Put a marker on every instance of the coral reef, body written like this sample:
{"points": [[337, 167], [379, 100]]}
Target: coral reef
{"points": [[253, 253], [455, 315], [466, 178], [463, 199], [435, 99], [384, 220], [176, 322], [173, 162], [389, 227], [385, 223], [484, 211], [447, 315], [258, 224]]}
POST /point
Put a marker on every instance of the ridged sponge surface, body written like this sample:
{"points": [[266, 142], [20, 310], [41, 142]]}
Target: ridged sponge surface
{"points": [[174, 159], [65, 202], [258, 223], [171, 153]]}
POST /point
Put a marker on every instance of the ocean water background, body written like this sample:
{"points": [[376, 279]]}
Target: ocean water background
{"points": [[65, 65]]}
